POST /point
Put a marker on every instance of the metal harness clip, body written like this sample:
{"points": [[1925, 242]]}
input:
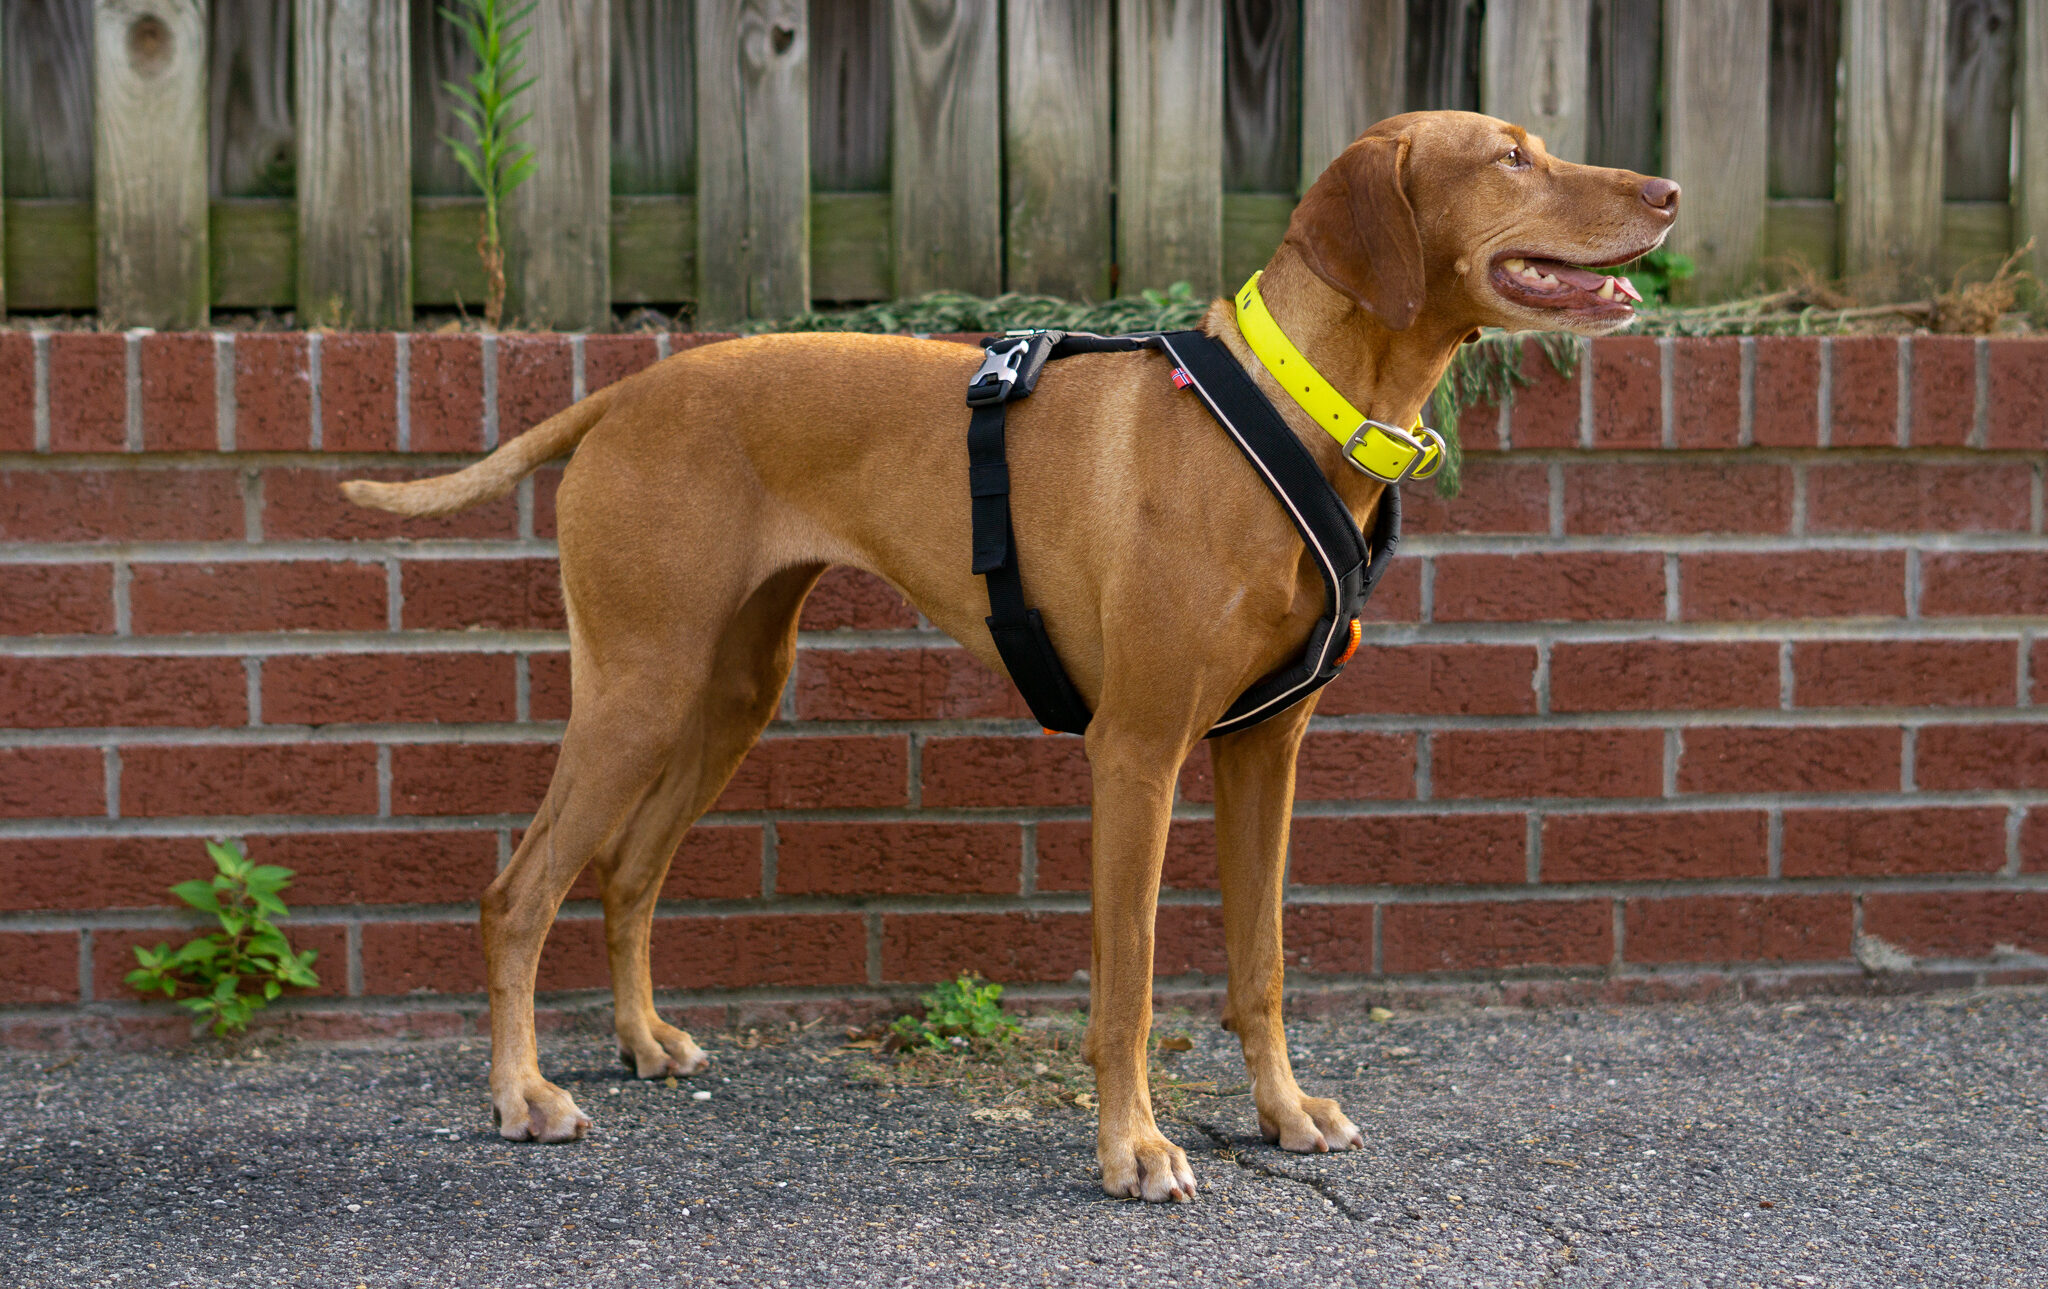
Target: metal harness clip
{"points": [[1420, 440], [998, 371]]}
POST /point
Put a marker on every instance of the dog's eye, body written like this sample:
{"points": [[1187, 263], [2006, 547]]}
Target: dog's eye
{"points": [[1515, 159]]}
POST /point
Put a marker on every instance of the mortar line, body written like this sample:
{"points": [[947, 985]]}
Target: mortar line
{"points": [[771, 854], [1787, 679], [316, 414], [1745, 435], [1423, 769], [1824, 395], [41, 343], [1667, 398], [1909, 737], [123, 575], [2015, 820], [914, 794], [224, 390], [1541, 680], [1585, 392], [1532, 843], [110, 766], [577, 387], [1774, 845], [1502, 426], [525, 503], [2037, 499], [132, 386], [1674, 752], [401, 362], [384, 781], [1555, 471], [1980, 418], [1027, 882], [1674, 605], [874, 930], [2023, 689], [504, 836], [490, 365], [1616, 910], [355, 959], [85, 949], [1905, 391], [394, 594], [1799, 494], [251, 483], [1426, 593], [252, 674], [661, 345], [1379, 939], [1913, 583], [522, 688]]}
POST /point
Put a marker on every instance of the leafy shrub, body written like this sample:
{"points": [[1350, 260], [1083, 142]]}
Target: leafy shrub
{"points": [[243, 898], [958, 1013]]}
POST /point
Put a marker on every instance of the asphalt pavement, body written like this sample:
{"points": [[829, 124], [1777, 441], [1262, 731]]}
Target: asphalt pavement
{"points": [[1874, 1141]]}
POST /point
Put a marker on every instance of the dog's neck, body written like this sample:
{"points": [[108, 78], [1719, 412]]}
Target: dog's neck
{"points": [[1388, 375]]}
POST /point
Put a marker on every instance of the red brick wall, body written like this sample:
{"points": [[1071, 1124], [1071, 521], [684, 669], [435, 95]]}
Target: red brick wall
{"points": [[1730, 653]]}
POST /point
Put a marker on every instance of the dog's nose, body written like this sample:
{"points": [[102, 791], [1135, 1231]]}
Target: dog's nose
{"points": [[1662, 194]]}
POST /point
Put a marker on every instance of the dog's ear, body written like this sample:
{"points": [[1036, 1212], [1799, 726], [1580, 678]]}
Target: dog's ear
{"points": [[1356, 230]]}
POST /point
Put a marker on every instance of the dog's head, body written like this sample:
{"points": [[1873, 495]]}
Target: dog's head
{"points": [[1468, 220]]}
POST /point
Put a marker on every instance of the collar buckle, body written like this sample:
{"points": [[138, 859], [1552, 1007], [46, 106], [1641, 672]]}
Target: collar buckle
{"points": [[1426, 451]]}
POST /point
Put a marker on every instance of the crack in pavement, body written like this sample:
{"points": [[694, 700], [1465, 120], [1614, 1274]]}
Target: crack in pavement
{"points": [[1262, 1169]]}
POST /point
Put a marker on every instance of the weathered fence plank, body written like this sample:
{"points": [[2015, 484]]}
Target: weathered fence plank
{"points": [[1627, 55], [1261, 95], [2030, 207], [654, 132], [46, 120], [1535, 70], [753, 160], [1715, 130], [1057, 148], [558, 236], [149, 161], [1977, 107], [1806, 43], [439, 55], [1895, 61], [1169, 144], [1443, 55], [1354, 73], [850, 119], [355, 163], [946, 160], [253, 143]]}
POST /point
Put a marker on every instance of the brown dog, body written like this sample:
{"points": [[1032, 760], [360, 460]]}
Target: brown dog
{"points": [[710, 491]]}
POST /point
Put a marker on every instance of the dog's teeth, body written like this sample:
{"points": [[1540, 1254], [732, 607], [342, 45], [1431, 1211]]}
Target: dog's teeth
{"points": [[1606, 291], [1548, 279], [1513, 266], [1531, 274]]}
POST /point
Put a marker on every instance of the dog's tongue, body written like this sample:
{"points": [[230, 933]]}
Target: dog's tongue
{"points": [[1587, 280]]}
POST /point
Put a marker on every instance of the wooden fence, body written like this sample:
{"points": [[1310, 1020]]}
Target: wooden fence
{"points": [[754, 156]]}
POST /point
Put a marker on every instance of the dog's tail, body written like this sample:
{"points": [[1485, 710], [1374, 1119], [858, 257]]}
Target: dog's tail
{"points": [[494, 476]]}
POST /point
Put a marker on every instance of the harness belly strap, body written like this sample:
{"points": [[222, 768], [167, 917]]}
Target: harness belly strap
{"points": [[1350, 565]]}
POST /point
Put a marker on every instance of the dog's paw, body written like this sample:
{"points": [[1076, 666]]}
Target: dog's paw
{"points": [[1146, 1166], [1311, 1125], [663, 1052], [539, 1111]]}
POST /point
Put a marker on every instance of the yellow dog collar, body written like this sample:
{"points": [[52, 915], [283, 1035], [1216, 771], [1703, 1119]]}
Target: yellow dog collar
{"points": [[1386, 452]]}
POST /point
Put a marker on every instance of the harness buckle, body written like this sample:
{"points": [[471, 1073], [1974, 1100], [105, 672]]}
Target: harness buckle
{"points": [[998, 372], [1425, 445]]}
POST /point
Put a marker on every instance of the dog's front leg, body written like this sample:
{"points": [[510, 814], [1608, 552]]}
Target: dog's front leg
{"points": [[1133, 783], [1254, 799]]}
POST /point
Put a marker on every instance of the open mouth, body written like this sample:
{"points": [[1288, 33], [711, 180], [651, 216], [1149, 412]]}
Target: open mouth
{"points": [[1553, 284]]}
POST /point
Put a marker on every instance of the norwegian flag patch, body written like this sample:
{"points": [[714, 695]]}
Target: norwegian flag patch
{"points": [[1181, 380]]}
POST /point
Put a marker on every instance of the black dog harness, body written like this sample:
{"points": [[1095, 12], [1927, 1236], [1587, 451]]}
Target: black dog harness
{"points": [[1350, 564]]}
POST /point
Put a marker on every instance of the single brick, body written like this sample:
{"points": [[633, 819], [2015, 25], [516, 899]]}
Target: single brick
{"points": [[273, 392], [547, 686], [470, 778], [1187, 940], [1777, 759], [547, 481], [1944, 391], [1738, 928], [1572, 586], [51, 782], [1035, 770], [1547, 763], [1628, 393], [429, 957], [38, 966], [1892, 843], [1328, 939], [1878, 497], [120, 505], [1065, 853], [379, 867], [1787, 406], [1545, 413], [1677, 497], [846, 599], [1021, 947], [1493, 497], [610, 359], [1992, 584], [17, 392], [1334, 765], [113, 956], [301, 502], [536, 379], [1656, 846], [818, 773], [2018, 413], [178, 398], [1493, 935], [1959, 924], [56, 599], [293, 595], [446, 402], [97, 872], [783, 951], [1398, 597], [1662, 675], [460, 594], [84, 693], [714, 862], [88, 392], [1863, 389], [1408, 850], [1794, 584], [1479, 430], [1986, 757], [1905, 673], [1706, 392], [358, 391], [2034, 841], [348, 688], [309, 779], [1434, 679], [897, 858], [901, 684]]}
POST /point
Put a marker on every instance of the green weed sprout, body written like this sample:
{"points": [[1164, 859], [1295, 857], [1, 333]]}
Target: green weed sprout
{"points": [[493, 161], [965, 1009], [243, 897]]}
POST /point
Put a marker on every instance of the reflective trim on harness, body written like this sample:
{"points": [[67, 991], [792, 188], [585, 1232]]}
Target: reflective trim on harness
{"points": [[1350, 566]]}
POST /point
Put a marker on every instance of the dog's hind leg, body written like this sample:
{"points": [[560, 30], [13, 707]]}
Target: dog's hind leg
{"points": [[748, 669]]}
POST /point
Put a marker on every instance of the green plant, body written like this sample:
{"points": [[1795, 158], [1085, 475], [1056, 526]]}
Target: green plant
{"points": [[493, 161], [248, 949], [1656, 273], [965, 1010]]}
